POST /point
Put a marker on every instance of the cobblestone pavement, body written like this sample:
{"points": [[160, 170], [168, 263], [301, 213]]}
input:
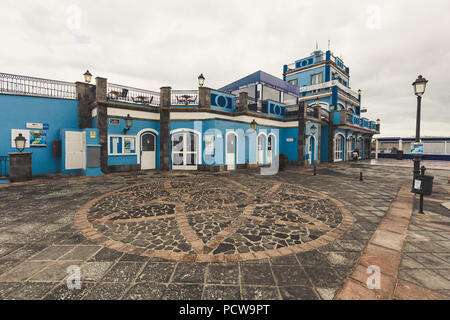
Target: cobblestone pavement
{"points": [[205, 223]]}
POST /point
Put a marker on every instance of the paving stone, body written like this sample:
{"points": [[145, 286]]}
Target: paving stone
{"points": [[186, 272], [30, 291], [290, 275], [425, 278], [107, 291], [157, 271], [183, 292], [260, 293], [24, 271], [52, 253], [123, 272], [223, 273], [298, 293], [55, 271], [80, 253], [94, 271], [218, 292], [323, 277], [62, 292], [146, 291], [256, 274], [284, 260], [106, 254]]}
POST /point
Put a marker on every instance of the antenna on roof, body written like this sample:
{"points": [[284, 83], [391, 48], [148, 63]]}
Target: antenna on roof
{"points": [[317, 46], [329, 44]]}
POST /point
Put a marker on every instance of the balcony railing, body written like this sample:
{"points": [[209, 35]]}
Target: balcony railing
{"points": [[29, 86], [132, 95], [184, 97]]}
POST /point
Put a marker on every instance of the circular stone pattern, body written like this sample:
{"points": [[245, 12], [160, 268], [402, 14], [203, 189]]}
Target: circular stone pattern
{"points": [[213, 219]]}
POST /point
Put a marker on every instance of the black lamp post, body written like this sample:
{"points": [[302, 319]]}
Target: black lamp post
{"points": [[201, 80], [128, 124], [20, 142], [419, 89], [253, 125]]}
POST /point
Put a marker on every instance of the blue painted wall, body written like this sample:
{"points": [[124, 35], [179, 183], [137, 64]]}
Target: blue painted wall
{"points": [[324, 143], [16, 111], [137, 126]]}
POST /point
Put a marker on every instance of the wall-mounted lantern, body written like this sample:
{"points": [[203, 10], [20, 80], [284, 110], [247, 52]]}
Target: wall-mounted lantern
{"points": [[20, 142], [87, 76], [378, 121], [331, 107], [201, 80], [253, 125], [313, 130], [128, 124], [317, 102]]}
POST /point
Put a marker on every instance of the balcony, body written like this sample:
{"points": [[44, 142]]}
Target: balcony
{"points": [[29, 86], [184, 98], [353, 95], [120, 93], [346, 118]]}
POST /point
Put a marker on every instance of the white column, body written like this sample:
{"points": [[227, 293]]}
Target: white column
{"points": [[376, 149], [400, 144], [445, 146]]}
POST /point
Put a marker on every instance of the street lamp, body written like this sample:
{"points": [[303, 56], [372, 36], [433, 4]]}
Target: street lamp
{"points": [[419, 89], [128, 124], [253, 125], [201, 80], [20, 142], [313, 130], [87, 76]]}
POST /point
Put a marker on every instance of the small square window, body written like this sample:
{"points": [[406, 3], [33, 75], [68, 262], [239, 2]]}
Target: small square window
{"points": [[316, 78]]}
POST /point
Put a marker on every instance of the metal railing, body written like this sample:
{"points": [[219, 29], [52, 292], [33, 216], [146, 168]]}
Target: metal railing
{"points": [[184, 97], [132, 95], [4, 160], [29, 86]]}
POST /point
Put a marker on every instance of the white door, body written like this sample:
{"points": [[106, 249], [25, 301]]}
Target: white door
{"points": [[338, 148], [270, 146], [231, 152], [261, 147], [148, 151], [184, 151], [75, 150]]}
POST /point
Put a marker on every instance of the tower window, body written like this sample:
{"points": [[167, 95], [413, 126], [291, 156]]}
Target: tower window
{"points": [[316, 78]]}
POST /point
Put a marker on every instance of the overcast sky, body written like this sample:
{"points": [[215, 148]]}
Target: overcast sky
{"points": [[149, 44]]}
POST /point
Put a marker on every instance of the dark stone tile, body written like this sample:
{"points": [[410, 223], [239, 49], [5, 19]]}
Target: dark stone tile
{"points": [[107, 291], [106, 254], [313, 258], [52, 253], [157, 272], [189, 272], [6, 265], [6, 287], [146, 291], [223, 273], [218, 292], [298, 293], [290, 275], [284, 260], [183, 292], [123, 272], [133, 258], [62, 292], [30, 291], [25, 252], [260, 293], [257, 274], [323, 277]]}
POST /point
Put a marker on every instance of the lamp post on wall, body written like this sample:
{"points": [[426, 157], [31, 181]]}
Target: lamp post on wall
{"points": [[253, 125], [128, 124], [201, 80], [313, 130], [20, 142], [87, 76], [419, 89]]}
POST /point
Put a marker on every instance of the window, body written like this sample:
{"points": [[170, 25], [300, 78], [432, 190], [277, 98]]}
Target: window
{"points": [[294, 82], [121, 145], [316, 78]]}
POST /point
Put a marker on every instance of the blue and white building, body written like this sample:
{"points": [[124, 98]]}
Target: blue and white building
{"points": [[310, 114]]}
